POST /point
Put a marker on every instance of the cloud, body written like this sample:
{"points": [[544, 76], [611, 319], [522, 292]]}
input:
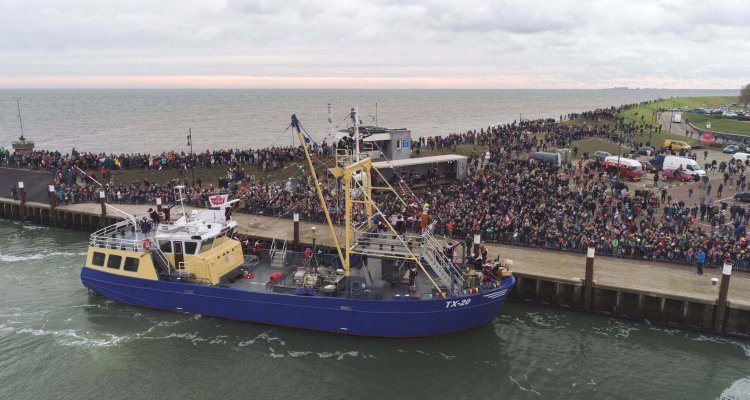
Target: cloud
{"points": [[500, 43]]}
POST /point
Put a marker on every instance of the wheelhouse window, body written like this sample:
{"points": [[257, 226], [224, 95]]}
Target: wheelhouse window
{"points": [[191, 247], [207, 244], [114, 261], [165, 246], [131, 264], [98, 259]]}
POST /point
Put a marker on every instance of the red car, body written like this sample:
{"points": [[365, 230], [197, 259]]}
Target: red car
{"points": [[647, 167], [670, 175]]}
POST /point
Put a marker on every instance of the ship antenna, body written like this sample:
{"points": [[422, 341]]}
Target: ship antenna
{"points": [[20, 120], [182, 202], [355, 119]]}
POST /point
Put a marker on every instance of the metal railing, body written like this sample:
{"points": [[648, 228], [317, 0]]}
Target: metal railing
{"points": [[648, 252], [186, 268], [107, 237], [432, 252]]}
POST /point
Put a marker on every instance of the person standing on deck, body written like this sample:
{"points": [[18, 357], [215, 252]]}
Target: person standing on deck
{"points": [[413, 278], [153, 215]]}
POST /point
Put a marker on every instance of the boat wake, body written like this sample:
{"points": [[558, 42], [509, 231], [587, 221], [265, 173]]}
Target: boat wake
{"points": [[37, 256], [716, 339], [740, 390]]}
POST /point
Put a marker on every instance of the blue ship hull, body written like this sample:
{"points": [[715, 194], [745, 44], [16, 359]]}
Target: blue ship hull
{"points": [[386, 318]]}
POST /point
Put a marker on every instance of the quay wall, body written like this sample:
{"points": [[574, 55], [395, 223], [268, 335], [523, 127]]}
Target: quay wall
{"points": [[665, 309]]}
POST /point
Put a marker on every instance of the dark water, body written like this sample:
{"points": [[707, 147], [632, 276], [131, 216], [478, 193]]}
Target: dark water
{"points": [[57, 342], [156, 120]]}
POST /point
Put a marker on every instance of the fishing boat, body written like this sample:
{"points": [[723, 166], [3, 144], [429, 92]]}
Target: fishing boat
{"points": [[376, 280]]}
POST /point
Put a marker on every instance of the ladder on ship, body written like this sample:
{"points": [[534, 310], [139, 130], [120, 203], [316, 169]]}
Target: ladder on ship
{"points": [[278, 256], [424, 246], [444, 268]]}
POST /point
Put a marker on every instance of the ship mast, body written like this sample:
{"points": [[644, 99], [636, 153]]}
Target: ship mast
{"points": [[20, 120], [356, 178], [319, 191]]}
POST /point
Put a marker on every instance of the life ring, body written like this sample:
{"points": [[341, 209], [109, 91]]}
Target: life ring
{"points": [[310, 281], [146, 245]]}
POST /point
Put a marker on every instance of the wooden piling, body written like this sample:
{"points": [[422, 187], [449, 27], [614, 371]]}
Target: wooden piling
{"points": [[721, 304], [588, 284]]}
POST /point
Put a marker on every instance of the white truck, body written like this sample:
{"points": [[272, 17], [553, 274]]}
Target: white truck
{"points": [[676, 118]]}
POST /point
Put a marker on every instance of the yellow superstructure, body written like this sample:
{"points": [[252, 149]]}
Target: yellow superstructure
{"points": [[208, 266], [212, 265], [122, 262]]}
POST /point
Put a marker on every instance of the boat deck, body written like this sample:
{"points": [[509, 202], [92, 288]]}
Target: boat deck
{"points": [[262, 270]]}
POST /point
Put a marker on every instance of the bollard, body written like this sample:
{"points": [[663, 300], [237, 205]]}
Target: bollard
{"points": [[721, 304], [52, 204], [22, 196], [477, 241], [158, 205], [103, 202], [588, 284], [296, 228]]}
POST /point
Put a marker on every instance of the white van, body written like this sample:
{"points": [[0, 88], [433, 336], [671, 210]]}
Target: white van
{"points": [[690, 166], [676, 118], [741, 156]]}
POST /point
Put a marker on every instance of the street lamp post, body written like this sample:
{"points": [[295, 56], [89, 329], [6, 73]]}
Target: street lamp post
{"points": [[190, 143]]}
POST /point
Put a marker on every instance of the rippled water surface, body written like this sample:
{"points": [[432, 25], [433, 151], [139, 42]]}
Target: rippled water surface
{"points": [[58, 342], [156, 120]]}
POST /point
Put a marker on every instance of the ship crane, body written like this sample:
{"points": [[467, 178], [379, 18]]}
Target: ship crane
{"points": [[356, 176]]}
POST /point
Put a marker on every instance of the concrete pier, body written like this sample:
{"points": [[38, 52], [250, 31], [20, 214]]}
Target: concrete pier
{"points": [[664, 294]]}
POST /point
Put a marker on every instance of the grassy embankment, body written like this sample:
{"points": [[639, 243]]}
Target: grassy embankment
{"points": [[646, 114], [719, 124], [648, 111]]}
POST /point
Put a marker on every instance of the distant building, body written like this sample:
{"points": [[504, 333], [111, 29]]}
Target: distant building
{"points": [[23, 147], [384, 144]]}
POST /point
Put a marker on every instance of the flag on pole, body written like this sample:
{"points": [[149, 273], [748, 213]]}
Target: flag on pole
{"points": [[218, 200]]}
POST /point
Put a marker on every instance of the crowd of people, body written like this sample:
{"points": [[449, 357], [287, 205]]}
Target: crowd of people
{"points": [[506, 197]]}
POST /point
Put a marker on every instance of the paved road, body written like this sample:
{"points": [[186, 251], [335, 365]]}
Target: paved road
{"points": [[35, 183], [677, 128]]}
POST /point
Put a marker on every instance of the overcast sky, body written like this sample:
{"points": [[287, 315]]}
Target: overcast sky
{"points": [[374, 44]]}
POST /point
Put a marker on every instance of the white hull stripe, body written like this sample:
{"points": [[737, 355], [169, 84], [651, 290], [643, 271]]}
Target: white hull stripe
{"points": [[496, 294]]}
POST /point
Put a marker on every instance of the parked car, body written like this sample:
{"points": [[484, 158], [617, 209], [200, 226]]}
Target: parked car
{"points": [[601, 155], [648, 167], [645, 151], [676, 145], [731, 149], [743, 196], [671, 175]]}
